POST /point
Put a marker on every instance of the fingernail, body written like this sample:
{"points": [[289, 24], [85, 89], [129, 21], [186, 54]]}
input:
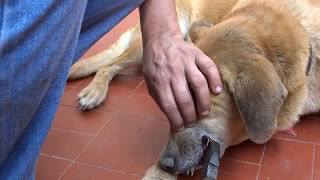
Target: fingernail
{"points": [[204, 113], [218, 89]]}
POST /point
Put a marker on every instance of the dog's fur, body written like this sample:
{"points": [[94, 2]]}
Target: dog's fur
{"points": [[268, 54]]}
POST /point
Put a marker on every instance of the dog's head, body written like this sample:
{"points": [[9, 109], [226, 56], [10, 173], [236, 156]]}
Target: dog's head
{"points": [[248, 108], [184, 151]]}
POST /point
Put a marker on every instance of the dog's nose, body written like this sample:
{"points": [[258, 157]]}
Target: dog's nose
{"points": [[167, 163]]}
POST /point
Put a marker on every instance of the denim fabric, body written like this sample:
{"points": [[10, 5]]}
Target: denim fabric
{"points": [[39, 40]]}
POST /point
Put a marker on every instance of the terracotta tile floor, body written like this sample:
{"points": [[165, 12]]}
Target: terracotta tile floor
{"points": [[123, 137]]}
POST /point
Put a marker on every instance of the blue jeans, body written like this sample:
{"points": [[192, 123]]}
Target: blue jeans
{"points": [[39, 40]]}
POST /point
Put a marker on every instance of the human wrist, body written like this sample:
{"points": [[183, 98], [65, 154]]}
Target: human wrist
{"points": [[163, 37]]}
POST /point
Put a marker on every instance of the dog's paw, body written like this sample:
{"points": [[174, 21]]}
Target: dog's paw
{"points": [[92, 96]]}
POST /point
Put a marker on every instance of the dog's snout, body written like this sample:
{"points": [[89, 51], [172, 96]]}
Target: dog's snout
{"points": [[167, 163]]}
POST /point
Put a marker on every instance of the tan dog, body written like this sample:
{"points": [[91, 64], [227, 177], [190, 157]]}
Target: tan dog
{"points": [[268, 54]]}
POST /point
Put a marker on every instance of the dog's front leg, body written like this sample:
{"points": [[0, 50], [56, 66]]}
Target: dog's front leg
{"points": [[156, 173]]}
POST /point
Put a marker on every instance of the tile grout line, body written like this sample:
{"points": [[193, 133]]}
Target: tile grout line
{"points": [[244, 162], [65, 170], [113, 115], [141, 128], [313, 163], [105, 168], [73, 131], [74, 161], [55, 157], [85, 147], [137, 115], [297, 141], [133, 140], [135, 90], [261, 160], [117, 111]]}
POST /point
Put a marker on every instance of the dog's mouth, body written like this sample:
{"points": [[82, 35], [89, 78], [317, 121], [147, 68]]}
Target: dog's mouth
{"points": [[209, 161], [200, 165]]}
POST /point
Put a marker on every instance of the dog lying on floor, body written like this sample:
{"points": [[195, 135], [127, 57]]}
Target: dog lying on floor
{"points": [[268, 55]]}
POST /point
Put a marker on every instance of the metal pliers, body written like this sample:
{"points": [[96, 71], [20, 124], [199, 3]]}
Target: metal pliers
{"points": [[211, 159]]}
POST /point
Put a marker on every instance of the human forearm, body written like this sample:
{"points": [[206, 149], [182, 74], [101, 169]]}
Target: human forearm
{"points": [[159, 18]]}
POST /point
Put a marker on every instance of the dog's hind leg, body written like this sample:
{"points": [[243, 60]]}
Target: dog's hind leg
{"points": [[95, 93], [92, 64]]}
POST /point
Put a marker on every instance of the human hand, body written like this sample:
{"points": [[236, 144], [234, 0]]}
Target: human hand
{"points": [[175, 72]]}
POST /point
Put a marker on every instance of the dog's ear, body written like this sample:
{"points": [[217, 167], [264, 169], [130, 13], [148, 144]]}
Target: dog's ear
{"points": [[259, 93], [197, 29]]}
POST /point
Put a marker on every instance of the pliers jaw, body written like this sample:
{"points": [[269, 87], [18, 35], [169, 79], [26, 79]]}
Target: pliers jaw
{"points": [[211, 159]]}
